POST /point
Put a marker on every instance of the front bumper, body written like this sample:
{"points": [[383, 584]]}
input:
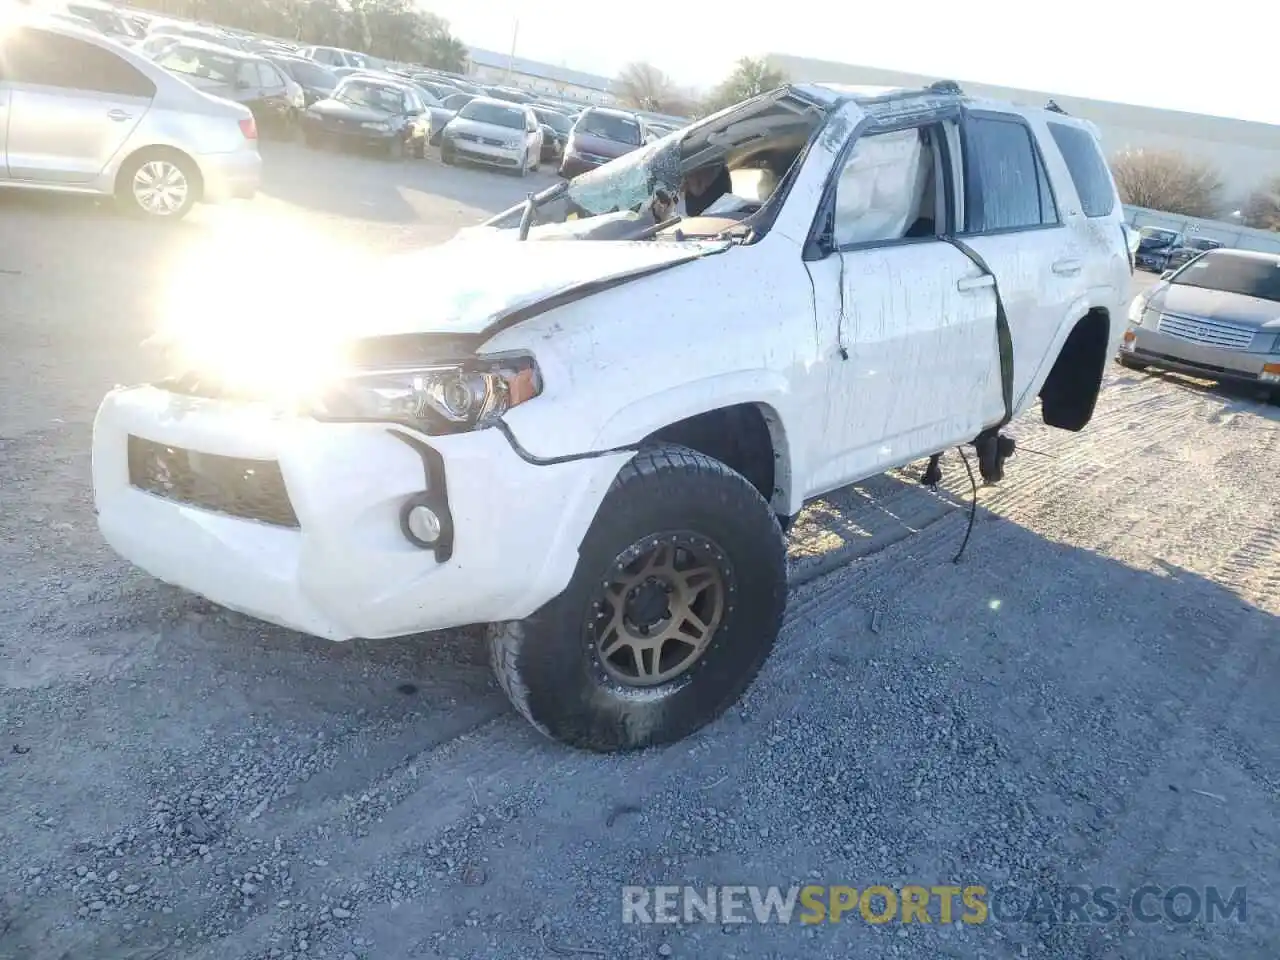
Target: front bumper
{"points": [[1198, 359], [349, 134], [231, 176], [476, 151], [346, 570], [573, 165]]}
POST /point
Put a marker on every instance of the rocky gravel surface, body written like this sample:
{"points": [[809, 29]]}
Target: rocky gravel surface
{"points": [[1087, 697]]}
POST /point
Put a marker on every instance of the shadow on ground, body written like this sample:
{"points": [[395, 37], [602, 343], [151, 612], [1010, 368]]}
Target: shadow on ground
{"points": [[1035, 716]]}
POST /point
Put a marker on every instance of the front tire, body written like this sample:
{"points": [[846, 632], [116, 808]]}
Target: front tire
{"points": [[158, 185], [675, 604]]}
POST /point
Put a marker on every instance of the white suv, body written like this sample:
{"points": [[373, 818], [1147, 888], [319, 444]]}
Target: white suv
{"points": [[594, 445]]}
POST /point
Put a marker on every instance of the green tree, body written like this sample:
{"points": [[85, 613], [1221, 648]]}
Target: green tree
{"points": [[751, 77]]}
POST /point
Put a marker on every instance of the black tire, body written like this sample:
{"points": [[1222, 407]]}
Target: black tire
{"points": [[395, 150], [420, 148], [129, 202], [447, 157], [549, 663]]}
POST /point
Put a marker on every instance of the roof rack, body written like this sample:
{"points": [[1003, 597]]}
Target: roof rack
{"points": [[945, 86]]}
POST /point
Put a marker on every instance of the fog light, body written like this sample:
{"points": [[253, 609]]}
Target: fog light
{"points": [[423, 525]]}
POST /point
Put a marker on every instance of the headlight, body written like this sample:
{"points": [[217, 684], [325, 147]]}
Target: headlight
{"points": [[447, 398], [513, 144], [376, 125]]}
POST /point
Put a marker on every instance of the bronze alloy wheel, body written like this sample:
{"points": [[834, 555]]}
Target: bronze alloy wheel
{"points": [[658, 607]]}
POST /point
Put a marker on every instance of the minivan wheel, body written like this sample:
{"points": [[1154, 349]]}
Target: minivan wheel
{"points": [[675, 603], [161, 186]]}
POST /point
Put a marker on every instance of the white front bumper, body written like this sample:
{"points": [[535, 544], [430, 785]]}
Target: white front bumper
{"points": [[347, 570]]}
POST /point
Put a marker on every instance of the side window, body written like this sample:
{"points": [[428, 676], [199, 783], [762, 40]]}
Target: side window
{"points": [[268, 77], [247, 74], [48, 59], [1006, 187], [1088, 170], [886, 190]]}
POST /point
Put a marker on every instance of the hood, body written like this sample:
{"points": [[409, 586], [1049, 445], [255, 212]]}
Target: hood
{"points": [[341, 109], [466, 287], [1154, 243], [490, 130], [1217, 305]]}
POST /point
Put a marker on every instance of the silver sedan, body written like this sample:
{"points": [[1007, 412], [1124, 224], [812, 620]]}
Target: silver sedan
{"points": [[1217, 317], [82, 114]]}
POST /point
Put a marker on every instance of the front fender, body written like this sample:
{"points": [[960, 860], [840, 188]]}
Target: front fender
{"points": [[635, 421]]}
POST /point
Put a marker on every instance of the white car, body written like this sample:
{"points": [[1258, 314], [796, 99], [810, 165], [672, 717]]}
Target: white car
{"points": [[596, 446], [495, 133], [86, 115], [337, 57]]}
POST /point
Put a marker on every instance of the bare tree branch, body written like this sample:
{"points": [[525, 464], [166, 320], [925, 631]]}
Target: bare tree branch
{"points": [[1262, 209], [1161, 180]]}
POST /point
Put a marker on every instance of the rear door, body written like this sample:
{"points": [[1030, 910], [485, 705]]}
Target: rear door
{"points": [[274, 95], [1011, 220], [72, 105]]}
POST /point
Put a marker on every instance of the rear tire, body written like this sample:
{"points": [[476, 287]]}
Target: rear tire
{"points": [[684, 545], [158, 185], [447, 157], [395, 150]]}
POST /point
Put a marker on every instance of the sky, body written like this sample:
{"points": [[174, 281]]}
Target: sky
{"points": [[1215, 58]]}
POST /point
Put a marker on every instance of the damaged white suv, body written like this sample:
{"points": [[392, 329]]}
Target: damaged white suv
{"points": [[594, 434]]}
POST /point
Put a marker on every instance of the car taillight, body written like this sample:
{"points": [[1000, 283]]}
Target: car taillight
{"points": [[249, 127]]}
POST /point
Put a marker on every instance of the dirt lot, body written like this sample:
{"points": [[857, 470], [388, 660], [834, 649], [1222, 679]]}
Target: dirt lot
{"points": [[1087, 698]]}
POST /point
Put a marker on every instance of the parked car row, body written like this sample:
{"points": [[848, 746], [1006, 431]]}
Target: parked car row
{"points": [[1160, 248]]}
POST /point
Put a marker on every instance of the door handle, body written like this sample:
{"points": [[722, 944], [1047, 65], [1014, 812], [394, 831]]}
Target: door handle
{"points": [[119, 115], [976, 283], [1067, 268]]}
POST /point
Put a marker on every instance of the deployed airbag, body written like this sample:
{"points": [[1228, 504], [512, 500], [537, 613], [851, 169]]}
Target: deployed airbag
{"points": [[880, 188]]}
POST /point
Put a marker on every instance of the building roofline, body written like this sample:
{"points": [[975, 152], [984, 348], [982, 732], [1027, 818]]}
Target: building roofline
{"points": [[1178, 122]]}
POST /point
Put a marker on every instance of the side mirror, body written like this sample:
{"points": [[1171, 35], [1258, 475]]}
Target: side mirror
{"points": [[242, 84], [1167, 274]]}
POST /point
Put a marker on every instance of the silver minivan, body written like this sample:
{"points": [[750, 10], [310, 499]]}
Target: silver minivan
{"points": [[86, 115]]}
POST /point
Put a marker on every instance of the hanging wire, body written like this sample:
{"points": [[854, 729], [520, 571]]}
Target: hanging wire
{"points": [[973, 505]]}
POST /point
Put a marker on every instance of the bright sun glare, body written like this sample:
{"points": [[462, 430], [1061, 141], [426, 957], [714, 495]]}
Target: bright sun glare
{"points": [[263, 306]]}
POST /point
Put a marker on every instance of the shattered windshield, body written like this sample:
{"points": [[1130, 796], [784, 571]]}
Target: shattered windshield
{"points": [[646, 188], [630, 180]]}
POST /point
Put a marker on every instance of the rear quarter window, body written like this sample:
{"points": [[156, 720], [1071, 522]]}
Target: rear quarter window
{"points": [[1088, 170]]}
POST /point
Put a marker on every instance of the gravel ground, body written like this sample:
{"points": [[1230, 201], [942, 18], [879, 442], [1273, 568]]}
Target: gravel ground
{"points": [[1087, 698]]}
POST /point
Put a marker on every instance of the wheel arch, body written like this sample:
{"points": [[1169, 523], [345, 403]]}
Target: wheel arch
{"points": [[1069, 392], [159, 150]]}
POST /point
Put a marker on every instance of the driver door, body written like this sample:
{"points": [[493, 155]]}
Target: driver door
{"points": [[906, 319]]}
